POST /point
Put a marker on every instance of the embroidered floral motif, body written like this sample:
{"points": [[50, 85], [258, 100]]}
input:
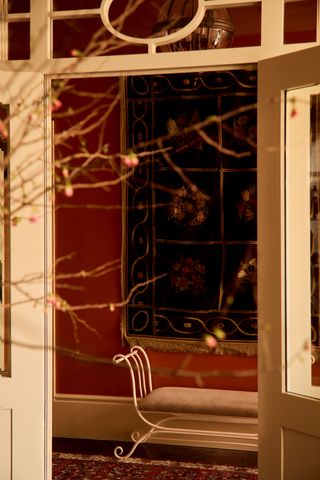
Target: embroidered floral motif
{"points": [[178, 128], [245, 128], [247, 208], [188, 206], [248, 272], [188, 275]]}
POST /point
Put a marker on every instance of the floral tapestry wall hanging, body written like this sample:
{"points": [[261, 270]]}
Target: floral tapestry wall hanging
{"points": [[190, 211]]}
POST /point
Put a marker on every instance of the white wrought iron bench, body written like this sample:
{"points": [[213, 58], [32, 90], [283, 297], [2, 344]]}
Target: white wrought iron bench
{"points": [[182, 403]]}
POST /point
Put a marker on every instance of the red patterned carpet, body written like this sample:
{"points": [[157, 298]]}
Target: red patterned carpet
{"points": [[68, 466]]}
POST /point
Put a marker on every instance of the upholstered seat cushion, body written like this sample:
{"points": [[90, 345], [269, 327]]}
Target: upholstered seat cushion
{"points": [[201, 401]]}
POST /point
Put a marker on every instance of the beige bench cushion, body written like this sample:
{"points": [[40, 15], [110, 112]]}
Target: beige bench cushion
{"points": [[203, 401]]}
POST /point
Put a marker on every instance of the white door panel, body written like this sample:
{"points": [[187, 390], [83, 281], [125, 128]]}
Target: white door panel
{"points": [[289, 420], [23, 392]]}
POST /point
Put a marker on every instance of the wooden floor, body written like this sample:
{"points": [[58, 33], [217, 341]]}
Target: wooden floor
{"points": [[160, 452]]}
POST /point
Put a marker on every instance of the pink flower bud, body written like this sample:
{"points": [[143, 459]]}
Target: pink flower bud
{"points": [[53, 300], [75, 53], [34, 218], [56, 105], [210, 340], [131, 160], [68, 191], [3, 130]]}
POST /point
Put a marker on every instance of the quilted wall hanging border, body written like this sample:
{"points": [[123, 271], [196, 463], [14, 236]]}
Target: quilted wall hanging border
{"points": [[190, 212]]}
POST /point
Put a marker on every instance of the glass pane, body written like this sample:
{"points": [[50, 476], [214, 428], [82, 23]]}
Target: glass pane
{"points": [[4, 244], [315, 245], [142, 20], [238, 26], [88, 37], [247, 24], [302, 168], [75, 4], [18, 6], [19, 40], [1, 270], [300, 21]]}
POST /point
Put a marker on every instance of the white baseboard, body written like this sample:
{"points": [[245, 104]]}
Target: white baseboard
{"points": [[114, 418]]}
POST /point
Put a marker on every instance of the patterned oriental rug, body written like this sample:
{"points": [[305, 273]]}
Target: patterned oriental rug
{"points": [[67, 466]]}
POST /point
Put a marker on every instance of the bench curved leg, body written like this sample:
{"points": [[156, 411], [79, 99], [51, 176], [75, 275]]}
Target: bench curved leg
{"points": [[160, 427], [137, 438]]}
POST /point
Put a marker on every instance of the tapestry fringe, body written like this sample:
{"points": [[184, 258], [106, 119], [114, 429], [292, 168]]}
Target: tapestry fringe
{"points": [[223, 348]]}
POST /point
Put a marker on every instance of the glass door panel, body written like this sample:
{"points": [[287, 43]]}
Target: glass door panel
{"points": [[314, 227], [1, 275], [4, 244], [302, 170]]}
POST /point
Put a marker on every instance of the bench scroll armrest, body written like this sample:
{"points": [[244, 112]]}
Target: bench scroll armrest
{"points": [[140, 371]]}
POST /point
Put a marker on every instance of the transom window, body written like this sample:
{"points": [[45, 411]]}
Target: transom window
{"points": [[119, 27]]}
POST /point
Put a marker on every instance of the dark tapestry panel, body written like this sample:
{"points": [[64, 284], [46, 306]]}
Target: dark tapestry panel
{"points": [[190, 243]]}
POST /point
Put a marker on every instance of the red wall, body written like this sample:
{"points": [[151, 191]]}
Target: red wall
{"points": [[86, 344], [95, 236]]}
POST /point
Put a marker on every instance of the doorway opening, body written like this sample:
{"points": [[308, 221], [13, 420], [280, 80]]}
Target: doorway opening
{"points": [[155, 176]]}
